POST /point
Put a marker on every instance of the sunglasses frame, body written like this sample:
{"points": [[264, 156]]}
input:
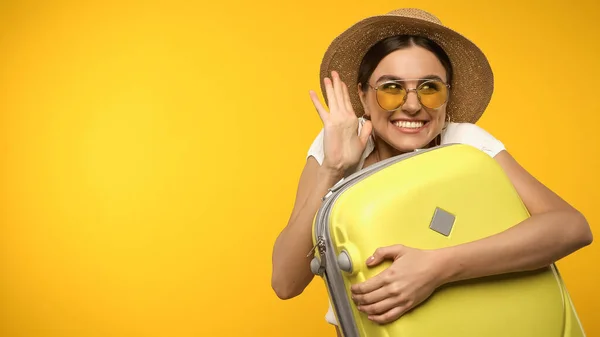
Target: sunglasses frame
{"points": [[416, 90]]}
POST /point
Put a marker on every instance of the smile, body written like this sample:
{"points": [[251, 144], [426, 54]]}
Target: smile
{"points": [[409, 124]]}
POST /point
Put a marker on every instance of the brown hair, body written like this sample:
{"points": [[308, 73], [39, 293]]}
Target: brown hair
{"points": [[388, 45]]}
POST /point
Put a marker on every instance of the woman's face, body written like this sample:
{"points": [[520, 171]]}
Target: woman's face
{"points": [[413, 125]]}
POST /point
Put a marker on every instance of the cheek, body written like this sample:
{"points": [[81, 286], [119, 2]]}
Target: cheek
{"points": [[372, 105], [440, 116], [440, 120]]}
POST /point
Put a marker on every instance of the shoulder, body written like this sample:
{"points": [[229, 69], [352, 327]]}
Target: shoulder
{"points": [[474, 135]]}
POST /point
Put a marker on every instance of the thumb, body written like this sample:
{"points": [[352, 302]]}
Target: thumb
{"points": [[365, 132], [386, 253]]}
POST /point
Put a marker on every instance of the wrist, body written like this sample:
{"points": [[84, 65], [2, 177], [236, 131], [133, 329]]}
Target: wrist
{"points": [[447, 265], [326, 178], [330, 175]]}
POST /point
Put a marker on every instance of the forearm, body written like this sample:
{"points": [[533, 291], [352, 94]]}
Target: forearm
{"points": [[535, 243], [291, 267]]}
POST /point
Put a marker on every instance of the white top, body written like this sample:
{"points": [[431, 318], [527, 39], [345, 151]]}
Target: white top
{"points": [[463, 133]]}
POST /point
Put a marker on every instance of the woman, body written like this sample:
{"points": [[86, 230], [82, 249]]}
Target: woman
{"points": [[413, 84]]}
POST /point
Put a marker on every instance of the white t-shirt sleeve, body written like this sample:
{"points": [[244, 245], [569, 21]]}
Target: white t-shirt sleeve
{"points": [[474, 135], [330, 316], [316, 148]]}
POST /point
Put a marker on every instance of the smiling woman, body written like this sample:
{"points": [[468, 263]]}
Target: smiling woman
{"points": [[392, 69], [411, 83]]}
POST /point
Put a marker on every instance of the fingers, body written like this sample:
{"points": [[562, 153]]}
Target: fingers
{"points": [[320, 109], [369, 285], [338, 89], [380, 307], [331, 99], [390, 315], [383, 253], [372, 297], [378, 281], [346, 98], [382, 299], [337, 95]]}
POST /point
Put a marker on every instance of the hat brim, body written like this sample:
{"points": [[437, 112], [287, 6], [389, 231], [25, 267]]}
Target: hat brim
{"points": [[472, 83]]}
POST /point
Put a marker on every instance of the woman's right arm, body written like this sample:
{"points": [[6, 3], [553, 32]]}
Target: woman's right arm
{"points": [[342, 147], [291, 266]]}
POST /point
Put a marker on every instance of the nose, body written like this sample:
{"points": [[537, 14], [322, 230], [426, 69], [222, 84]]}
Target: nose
{"points": [[411, 105]]}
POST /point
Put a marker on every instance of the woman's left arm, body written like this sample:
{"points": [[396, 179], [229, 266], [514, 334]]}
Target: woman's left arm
{"points": [[554, 230]]}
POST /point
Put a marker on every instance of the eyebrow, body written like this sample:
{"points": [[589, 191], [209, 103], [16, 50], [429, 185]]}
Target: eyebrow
{"points": [[396, 78]]}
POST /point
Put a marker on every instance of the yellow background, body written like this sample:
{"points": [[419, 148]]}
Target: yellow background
{"points": [[143, 143]]}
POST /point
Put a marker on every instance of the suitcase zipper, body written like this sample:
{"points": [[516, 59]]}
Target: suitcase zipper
{"points": [[320, 268], [320, 245]]}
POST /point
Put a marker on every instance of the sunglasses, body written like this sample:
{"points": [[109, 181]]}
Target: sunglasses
{"points": [[391, 95]]}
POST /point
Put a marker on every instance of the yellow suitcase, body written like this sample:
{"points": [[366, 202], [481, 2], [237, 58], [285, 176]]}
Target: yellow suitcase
{"points": [[429, 199]]}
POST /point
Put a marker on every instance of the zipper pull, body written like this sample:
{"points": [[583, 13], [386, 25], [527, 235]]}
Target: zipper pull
{"points": [[317, 266], [319, 244], [339, 184]]}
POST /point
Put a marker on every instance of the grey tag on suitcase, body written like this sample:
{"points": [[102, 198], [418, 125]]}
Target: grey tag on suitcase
{"points": [[442, 221]]}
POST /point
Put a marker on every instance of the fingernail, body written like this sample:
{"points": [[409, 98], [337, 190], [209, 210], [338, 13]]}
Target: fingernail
{"points": [[370, 259]]}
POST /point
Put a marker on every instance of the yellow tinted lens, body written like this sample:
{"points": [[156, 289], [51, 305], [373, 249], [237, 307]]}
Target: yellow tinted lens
{"points": [[390, 96], [433, 94]]}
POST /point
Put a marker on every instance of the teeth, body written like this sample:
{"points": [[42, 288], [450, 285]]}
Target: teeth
{"points": [[407, 124]]}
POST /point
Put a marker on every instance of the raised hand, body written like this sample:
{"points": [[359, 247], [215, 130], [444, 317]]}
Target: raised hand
{"points": [[343, 145]]}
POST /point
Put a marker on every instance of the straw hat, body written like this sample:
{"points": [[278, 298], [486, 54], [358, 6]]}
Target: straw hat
{"points": [[473, 81]]}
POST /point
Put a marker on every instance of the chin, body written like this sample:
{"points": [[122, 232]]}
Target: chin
{"points": [[406, 146]]}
